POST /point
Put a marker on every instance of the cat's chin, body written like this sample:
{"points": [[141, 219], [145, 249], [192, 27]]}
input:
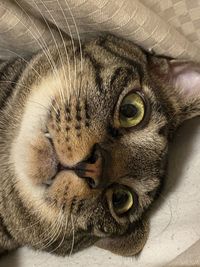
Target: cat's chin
{"points": [[129, 244], [87, 210]]}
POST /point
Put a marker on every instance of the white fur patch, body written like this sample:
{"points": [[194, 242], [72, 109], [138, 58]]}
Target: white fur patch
{"points": [[34, 122]]}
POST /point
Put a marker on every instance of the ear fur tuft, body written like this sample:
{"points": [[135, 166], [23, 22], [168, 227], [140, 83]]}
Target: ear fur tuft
{"points": [[180, 81]]}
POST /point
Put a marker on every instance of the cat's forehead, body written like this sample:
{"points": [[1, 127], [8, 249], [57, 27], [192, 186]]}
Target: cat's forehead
{"points": [[101, 70], [112, 58], [102, 64], [103, 55], [112, 47], [97, 74]]}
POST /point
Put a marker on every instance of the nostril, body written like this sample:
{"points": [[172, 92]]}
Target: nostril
{"points": [[93, 156], [90, 182], [92, 169], [92, 159]]}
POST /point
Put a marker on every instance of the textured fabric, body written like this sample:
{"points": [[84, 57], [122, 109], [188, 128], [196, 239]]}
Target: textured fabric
{"points": [[190, 257], [183, 15], [168, 27]]}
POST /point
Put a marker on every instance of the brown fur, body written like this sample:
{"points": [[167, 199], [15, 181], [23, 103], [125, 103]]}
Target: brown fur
{"points": [[78, 103]]}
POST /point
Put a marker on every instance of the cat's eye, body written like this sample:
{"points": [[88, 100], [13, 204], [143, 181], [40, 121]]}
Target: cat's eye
{"points": [[132, 110], [122, 201]]}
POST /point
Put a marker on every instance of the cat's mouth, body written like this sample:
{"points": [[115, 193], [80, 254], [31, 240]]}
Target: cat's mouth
{"points": [[119, 198], [87, 180], [90, 169], [92, 173]]}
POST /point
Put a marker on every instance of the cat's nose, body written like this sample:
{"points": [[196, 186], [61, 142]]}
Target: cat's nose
{"points": [[93, 169]]}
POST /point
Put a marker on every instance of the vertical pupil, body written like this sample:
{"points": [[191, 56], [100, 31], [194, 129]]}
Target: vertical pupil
{"points": [[128, 110], [119, 198]]}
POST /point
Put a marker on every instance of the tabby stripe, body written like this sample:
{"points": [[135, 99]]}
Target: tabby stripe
{"points": [[9, 91], [131, 62], [7, 86], [13, 77], [4, 68], [4, 228], [97, 68], [3, 64], [123, 79]]}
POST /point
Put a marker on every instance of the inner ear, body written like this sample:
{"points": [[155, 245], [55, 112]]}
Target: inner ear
{"points": [[185, 78], [129, 244], [180, 82]]}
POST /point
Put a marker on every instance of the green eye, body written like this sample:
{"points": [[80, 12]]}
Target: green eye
{"points": [[122, 201], [132, 110]]}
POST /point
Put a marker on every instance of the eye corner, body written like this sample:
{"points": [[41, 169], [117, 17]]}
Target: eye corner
{"points": [[113, 131], [47, 135]]}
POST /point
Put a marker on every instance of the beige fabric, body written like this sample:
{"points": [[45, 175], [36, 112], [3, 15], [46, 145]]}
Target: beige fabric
{"points": [[191, 257], [132, 19], [184, 15], [169, 27]]}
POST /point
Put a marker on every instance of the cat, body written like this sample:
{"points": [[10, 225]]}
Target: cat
{"points": [[84, 136]]}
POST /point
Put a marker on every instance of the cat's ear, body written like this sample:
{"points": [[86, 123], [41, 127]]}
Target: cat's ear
{"points": [[182, 80], [129, 244]]}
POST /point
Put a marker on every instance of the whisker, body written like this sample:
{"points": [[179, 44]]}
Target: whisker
{"points": [[54, 108], [31, 101], [58, 229], [42, 44], [77, 32], [62, 240], [31, 214], [73, 236], [80, 46], [19, 56], [56, 44], [72, 41]]}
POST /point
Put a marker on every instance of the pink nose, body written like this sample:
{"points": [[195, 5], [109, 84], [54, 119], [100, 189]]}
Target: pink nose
{"points": [[93, 169]]}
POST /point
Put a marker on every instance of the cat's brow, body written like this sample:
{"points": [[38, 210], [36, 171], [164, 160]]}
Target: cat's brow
{"points": [[122, 76], [97, 69], [134, 63], [10, 74]]}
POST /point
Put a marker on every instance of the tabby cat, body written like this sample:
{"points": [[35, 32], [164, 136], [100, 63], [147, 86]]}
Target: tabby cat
{"points": [[84, 135]]}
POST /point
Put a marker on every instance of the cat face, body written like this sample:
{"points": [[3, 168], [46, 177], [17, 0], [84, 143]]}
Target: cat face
{"points": [[92, 143]]}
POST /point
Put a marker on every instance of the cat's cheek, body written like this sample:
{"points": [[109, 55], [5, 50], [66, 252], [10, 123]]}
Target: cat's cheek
{"points": [[40, 162], [67, 188], [129, 244]]}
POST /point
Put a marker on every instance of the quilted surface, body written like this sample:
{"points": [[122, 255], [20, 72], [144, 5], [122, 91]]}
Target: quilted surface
{"points": [[170, 27]]}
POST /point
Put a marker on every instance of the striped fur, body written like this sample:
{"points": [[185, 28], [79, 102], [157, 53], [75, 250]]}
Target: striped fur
{"points": [[74, 95]]}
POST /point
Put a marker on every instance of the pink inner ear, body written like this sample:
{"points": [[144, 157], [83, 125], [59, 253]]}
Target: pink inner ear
{"points": [[186, 76]]}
